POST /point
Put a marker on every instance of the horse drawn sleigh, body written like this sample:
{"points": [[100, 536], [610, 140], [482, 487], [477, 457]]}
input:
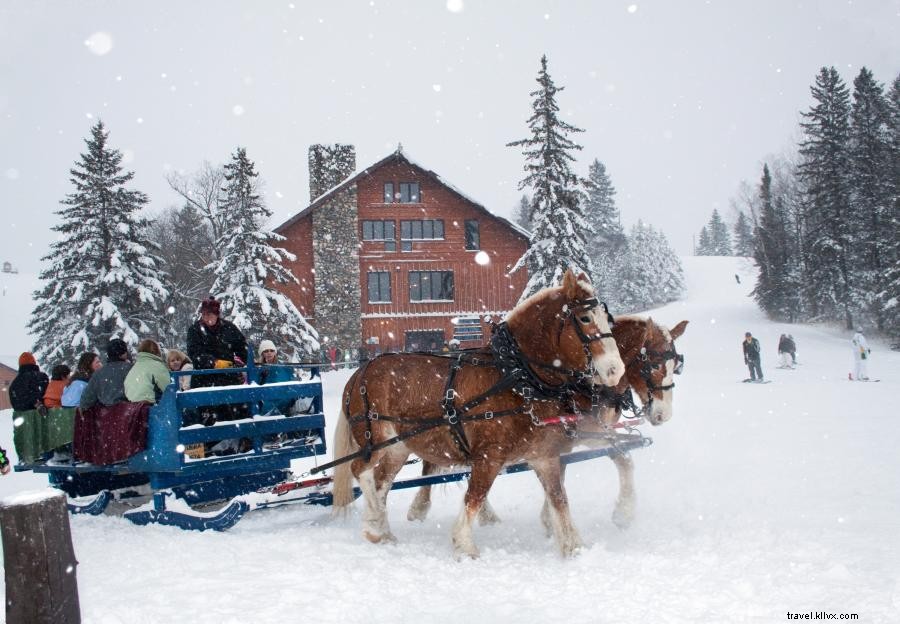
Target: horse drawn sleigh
{"points": [[557, 375]]}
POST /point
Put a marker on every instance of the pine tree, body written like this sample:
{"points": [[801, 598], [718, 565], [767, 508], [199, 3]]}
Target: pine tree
{"points": [[651, 273], [102, 281], [558, 224], [743, 236], [824, 171], [249, 267], [605, 245], [771, 254], [872, 189], [888, 298], [522, 213], [704, 244], [719, 238]]}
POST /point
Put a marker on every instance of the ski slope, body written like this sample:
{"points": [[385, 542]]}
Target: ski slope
{"points": [[754, 501]]}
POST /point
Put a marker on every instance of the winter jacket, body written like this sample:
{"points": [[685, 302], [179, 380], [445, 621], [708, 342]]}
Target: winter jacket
{"points": [[861, 348], [751, 350], [53, 394], [274, 374], [786, 345], [107, 385], [206, 345], [147, 379], [28, 388], [71, 396]]}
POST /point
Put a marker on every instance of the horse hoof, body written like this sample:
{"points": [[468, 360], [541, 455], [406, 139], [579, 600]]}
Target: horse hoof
{"points": [[417, 513], [462, 555], [572, 550], [488, 518], [623, 517], [382, 538]]}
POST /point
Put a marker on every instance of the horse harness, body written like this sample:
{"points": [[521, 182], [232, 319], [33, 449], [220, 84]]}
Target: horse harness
{"points": [[648, 365], [517, 374]]}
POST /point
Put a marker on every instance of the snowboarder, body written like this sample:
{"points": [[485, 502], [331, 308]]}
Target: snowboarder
{"points": [[861, 353], [752, 357], [737, 278], [786, 350]]}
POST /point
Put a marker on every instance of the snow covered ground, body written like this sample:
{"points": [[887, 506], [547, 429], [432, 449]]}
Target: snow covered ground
{"points": [[754, 501]]}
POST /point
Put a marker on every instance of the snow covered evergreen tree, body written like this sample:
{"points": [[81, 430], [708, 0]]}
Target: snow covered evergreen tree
{"points": [[743, 236], [704, 244], [522, 213], [830, 288], [250, 265], [652, 274], [715, 239], [606, 244], [888, 297], [557, 220], [773, 291], [102, 281], [872, 190]]}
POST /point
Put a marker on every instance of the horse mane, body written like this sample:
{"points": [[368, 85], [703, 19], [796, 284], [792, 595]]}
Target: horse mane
{"points": [[547, 293], [538, 297]]}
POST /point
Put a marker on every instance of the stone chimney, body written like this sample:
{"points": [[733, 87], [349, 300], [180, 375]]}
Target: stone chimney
{"points": [[329, 165]]}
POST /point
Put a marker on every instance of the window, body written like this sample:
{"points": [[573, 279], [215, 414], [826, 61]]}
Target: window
{"points": [[431, 285], [379, 287], [380, 231], [473, 237], [409, 192], [467, 328], [429, 229]]}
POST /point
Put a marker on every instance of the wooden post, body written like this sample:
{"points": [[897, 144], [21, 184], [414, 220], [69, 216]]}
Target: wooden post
{"points": [[39, 559]]}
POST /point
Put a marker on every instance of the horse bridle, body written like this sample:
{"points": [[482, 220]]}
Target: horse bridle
{"points": [[660, 358], [569, 313]]}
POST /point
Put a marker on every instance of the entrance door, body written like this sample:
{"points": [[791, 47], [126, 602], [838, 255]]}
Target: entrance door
{"points": [[428, 340]]}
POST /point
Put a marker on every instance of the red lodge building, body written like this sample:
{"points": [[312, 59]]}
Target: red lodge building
{"points": [[392, 257]]}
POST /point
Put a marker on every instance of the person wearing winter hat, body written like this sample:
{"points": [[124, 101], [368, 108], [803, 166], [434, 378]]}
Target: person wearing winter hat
{"points": [[148, 378], [213, 342], [107, 385], [26, 394]]}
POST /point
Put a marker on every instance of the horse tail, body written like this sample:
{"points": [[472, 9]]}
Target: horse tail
{"points": [[342, 484]]}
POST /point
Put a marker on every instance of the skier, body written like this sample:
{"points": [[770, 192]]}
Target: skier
{"points": [[861, 353], [752, 357], [737, 278]]}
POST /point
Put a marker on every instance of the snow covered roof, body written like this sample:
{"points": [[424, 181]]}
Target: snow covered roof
{"points": [[397, 155]]}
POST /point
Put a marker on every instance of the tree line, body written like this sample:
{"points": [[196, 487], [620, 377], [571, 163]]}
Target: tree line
{"points": [[575, 222], [826, 237], [113, 273]]}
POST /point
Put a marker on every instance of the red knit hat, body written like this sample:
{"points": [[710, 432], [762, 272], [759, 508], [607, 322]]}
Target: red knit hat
{"points": [[26, 358], [210, 305]]}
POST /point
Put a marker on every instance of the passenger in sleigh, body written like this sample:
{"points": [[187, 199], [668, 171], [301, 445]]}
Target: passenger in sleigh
{"points": [[26, 394], [215, 343], [109, 428]]}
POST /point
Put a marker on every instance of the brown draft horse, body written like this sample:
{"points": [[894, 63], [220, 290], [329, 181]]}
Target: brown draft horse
{"points": [[648, 350], [406, 403]]}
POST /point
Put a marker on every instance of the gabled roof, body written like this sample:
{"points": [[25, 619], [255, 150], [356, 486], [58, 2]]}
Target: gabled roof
{"points": [[397, 156]]}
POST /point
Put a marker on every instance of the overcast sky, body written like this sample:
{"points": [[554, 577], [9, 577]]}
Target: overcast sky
{"points": [[680, 99]]}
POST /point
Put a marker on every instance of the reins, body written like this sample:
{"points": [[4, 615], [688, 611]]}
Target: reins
{"points": [[517, 374]]}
